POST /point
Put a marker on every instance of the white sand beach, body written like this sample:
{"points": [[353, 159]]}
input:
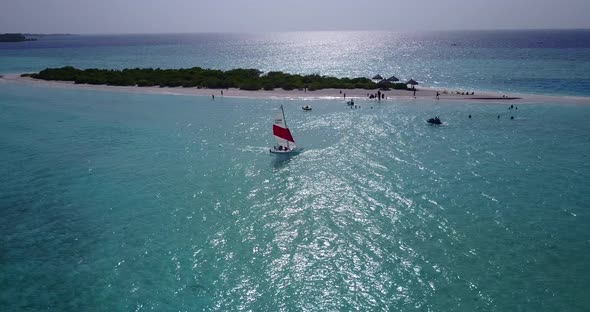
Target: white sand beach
{"points": [[324, 94]]}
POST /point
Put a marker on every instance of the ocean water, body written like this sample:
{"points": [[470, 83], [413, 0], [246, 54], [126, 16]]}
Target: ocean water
{"points": [[117, 201], [542, 62]]}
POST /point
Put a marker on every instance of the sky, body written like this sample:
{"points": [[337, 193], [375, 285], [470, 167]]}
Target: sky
{"points": [[188, 16]]}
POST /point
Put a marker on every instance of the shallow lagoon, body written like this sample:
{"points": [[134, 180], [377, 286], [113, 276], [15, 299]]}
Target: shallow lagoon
{"points": [[114, 200]]}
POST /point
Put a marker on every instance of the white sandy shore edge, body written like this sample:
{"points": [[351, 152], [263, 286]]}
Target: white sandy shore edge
{"points": [[422, 93]]}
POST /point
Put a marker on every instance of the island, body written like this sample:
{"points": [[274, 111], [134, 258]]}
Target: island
{"points": [[15, 38], [197, 77]]}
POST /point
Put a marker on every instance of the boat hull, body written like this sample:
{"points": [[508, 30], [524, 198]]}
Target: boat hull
{"points": [[289, 152]]}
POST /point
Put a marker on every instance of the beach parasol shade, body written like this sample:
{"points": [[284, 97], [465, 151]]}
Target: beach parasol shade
{"points": [[392, 79], [384, 84], [412, 82], [378, 77]]}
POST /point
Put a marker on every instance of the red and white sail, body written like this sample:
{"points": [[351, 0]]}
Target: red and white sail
{"points": [[281, 132]]}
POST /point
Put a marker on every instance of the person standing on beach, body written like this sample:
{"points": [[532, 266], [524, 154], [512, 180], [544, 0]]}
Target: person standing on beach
{"points": [[379, 95], [345, 95], [213, 97], [221, 92], [437, 94], [414, 91]]}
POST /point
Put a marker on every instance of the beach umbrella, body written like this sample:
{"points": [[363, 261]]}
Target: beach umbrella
{"points": [[384, 84], [392, 79], [412, 82], [377, 77]]}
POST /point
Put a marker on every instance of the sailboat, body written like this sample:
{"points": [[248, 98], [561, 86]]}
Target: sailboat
{"points": [[285, 141]]}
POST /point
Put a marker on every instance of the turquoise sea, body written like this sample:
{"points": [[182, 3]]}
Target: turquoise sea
{"points": [[542, 62], [116, 201]]}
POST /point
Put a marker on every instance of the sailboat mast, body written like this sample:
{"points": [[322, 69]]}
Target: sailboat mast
{"points": [[285, 121]]}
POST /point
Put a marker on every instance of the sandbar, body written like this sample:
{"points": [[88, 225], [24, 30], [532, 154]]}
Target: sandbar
{"points": [[324, 94]]}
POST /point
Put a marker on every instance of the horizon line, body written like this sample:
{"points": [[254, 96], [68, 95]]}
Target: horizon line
{"points": [[295, 31]]}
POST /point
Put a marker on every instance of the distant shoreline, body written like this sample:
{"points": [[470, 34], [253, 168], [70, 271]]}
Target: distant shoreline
{"points": [[14, 37], [324, 94]]}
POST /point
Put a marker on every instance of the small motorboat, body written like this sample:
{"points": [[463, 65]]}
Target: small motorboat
{"points": [[306, 108], [434, 121]]}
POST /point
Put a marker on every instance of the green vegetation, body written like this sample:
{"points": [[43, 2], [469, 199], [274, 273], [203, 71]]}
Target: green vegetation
{"points": [[14, 38], [245, 79]]}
